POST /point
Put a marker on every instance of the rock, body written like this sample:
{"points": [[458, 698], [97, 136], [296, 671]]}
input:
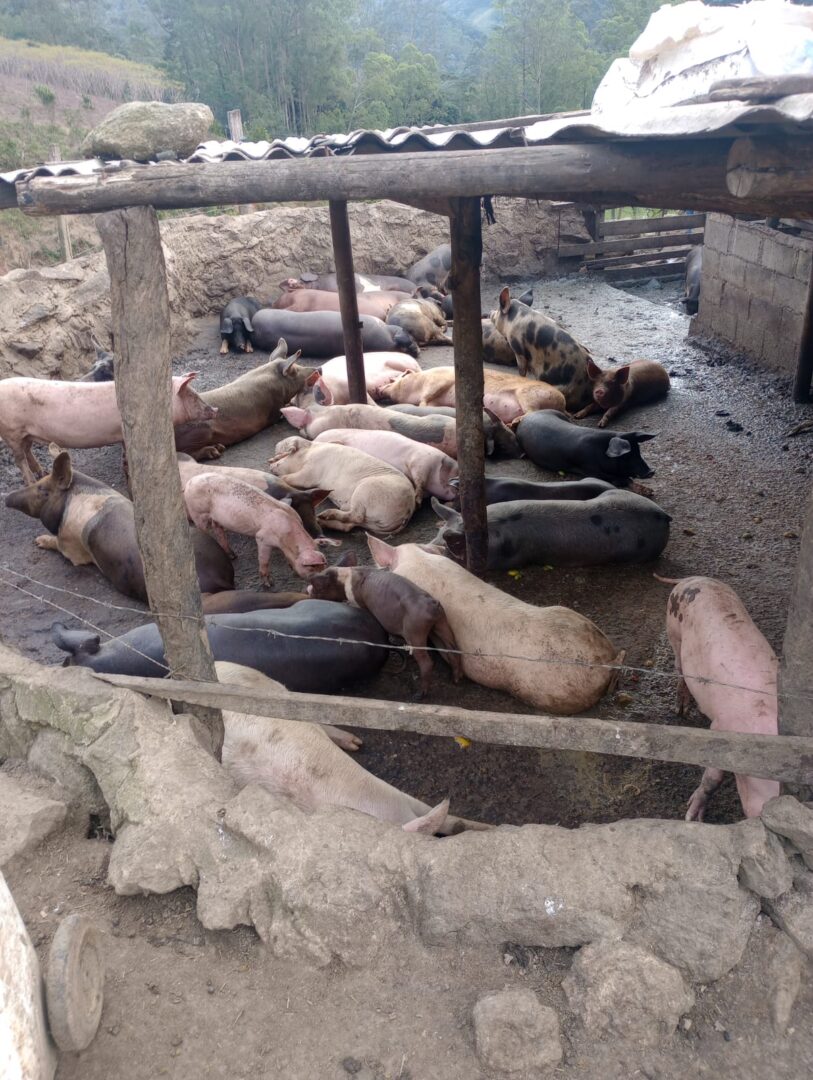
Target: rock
{"points": [[624, 990], [54, 754], [27, 818], [140, 130], [514, 1033], [783, 980], [793, 911], [788, 817], [765, 869], [27, 1050]]}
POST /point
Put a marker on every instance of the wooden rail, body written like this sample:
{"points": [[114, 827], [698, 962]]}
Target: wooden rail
{"points": [[633, 248], [788, 758]]}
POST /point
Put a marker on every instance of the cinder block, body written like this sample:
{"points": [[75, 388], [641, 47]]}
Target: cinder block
{"points": [[778, 353], [711, 263], [747, 242], [790, 293], [791, 329], [711, 290], [764, 322], [758, 281], [780, 253], [718, 227], [735, 300], [726, 326], [750, 336], [804, 263], [733, 270]]}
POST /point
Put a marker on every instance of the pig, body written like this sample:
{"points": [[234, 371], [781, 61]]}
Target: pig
{"points": [[401, 607], [422, 319], [314, 647], [379, 368], [298, 760], [505, 395], [434, 268], [499, 438], [447, 307], [715, 641], [567, 663], [303, 502], [552, 441], [430, 470], [496, 349], [437, 431], [501, 489], [613, 527], [378, 303], [76, 415], [103, 368], [239, 600], [216, 502], [364, 283], [694, 273], [90, 523], [544, 350], [366, 491], [247, 404], [235, 323], [319, 334], [638, 383]]}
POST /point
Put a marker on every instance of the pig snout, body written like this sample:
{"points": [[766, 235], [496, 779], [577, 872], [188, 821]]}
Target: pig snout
{"points": [[311, 562]]}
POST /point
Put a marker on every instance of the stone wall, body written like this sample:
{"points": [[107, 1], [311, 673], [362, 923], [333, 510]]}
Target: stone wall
{"points": [[754, 289], [47, 315]]}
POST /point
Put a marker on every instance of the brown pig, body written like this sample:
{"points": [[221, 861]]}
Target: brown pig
{"points": [[496, 349], [402, 609], [729, 669], [76, 415], [215, 502], [369, 303], [638, 383], [423, 319]]}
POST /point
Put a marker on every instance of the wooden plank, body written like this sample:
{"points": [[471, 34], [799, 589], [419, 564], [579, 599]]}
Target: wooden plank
{"points": [[140, 309], [636, 273], [464, 280], [760, 87], [788, 758], [779, 165], [234, 119], [348, 302], [628, 244], [685, 172], [637, 259], [642, 226], [796, 665], [63, 222]]}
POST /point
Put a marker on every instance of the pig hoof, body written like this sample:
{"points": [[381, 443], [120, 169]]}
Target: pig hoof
{"points": [[418, 695]]}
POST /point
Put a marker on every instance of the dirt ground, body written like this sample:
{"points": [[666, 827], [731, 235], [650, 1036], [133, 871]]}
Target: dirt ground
{"points": [[183, 1002]]}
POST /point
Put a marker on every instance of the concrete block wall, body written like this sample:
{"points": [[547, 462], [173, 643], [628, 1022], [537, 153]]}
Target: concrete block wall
{"points": [[754, 289]]}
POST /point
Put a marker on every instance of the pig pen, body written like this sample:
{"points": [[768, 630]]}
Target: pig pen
{"points": [[187, 1001], [733, 483]]}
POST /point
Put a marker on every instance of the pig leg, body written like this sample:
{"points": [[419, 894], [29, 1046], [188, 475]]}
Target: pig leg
{"points": [[442, 634], [264, 550], [219, 533], [342, 520], [344, 739], [47, 542], [610, 414], [710, 781], [587, 411], [684, 694], [416, 634], [209, 453], [641, 489], [224, 347]]}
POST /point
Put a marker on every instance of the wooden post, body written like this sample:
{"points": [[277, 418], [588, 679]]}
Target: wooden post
{"points": [[796, 667], [804, 361], [467, 254], [62, 222], [235, 122], [777, 166], [140, 309], [348, 301]]}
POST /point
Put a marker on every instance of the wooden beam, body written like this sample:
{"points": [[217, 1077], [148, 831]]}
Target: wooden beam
{"points": [[688, 172], [464, 280], [655, 257], [803, 376], [637, 273], [632, 243], [777, 166], [796, 666], [639, 226], [63, 222], [348, 301], [140, 308], [788, 758]]}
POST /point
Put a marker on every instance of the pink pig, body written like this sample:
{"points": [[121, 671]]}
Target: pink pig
{"points": [[429, 469], [715, 639], [216, 502], [379, 369], [76, 415]]}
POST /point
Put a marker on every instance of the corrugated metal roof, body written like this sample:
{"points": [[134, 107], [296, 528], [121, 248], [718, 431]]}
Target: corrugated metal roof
{"points": [[703, 119]]}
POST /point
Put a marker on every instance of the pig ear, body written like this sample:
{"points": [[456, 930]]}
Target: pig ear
{"points": [[187, 378], [617, 447], [317, 495], [62, 470], [348, 559], [383, 554], [430, 822], [280, 350], [527, 298], [295, 416], [456, 542], [54, 449], [444, 512], [642, 436], [325, 392], [247, 324], [622, 374], [505, 299], [292, 362], [226, 326], [593, 370], [492, 415]]}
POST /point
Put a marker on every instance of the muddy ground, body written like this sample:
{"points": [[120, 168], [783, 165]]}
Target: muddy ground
{"points": [[184, 1002]]}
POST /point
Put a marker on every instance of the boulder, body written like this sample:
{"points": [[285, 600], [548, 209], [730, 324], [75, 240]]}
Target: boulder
{"points": [[765, 868], [141, 130], [623, 990], [514, 1033], [27, 817], [55, 755], [793, 820], [784, 964], [793, 911]]}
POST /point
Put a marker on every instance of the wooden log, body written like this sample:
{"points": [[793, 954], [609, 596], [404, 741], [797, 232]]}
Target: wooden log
{"points": [[62, 222], [640, 226], [654, 257], [689, 173], [778, 166], [770, 756], [803, 376], [348, 302], [625, 244], [615, 274], [796, 666], [140, 309], [464, 280]]}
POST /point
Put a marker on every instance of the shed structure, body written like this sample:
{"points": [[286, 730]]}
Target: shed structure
{"points": [[742, 151]]}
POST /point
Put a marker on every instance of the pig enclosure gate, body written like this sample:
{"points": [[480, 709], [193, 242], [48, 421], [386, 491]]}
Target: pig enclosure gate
{"points": [[706, 164]]}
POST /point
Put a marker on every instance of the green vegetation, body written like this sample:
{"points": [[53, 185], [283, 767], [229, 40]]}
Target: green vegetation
{"points": [[45, 94]]}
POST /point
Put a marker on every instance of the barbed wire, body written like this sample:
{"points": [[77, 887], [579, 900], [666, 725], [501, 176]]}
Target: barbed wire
{"points": [[656, 673]]}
